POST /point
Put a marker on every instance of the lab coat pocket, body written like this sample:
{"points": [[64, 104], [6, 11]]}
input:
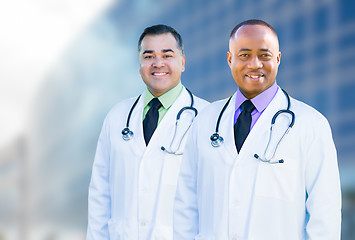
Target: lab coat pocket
{"points": [[278, 181], [171, 169], [164, 214], [115, 229]]}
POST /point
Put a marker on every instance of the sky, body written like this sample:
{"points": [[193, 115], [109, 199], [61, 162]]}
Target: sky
{"points": [[34, 34]]}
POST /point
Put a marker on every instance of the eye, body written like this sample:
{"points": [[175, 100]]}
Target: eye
{"points": [[168, 56], [244, 56], [265, 56], [147, 57]]}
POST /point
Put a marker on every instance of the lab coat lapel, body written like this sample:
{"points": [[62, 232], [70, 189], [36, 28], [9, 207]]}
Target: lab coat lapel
{"points": [[226, 129], [136, 123], [259, 135], [164, 132]]}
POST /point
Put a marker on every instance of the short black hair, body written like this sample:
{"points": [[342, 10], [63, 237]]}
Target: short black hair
{"points": [[253, 22], [161, 29]]}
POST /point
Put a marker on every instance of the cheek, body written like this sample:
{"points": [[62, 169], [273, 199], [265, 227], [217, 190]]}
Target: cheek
{"points": [[273, 69], [141, 71], [233, 64], [236, 69], [143, 68]]}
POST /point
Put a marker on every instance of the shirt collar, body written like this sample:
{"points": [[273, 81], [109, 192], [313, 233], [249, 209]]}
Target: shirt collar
{"points": [[260, 101], [167, 99]]}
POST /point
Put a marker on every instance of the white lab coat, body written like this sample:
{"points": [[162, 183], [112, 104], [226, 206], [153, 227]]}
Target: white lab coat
{"points": [[133, 186], [225, 195]]}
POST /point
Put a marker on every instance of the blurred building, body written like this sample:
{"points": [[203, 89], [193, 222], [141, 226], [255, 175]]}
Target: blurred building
{"points": [[44, 176]]}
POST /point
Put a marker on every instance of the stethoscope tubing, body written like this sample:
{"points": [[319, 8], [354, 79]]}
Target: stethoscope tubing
{"points": [[127, 134], [217, 139]]}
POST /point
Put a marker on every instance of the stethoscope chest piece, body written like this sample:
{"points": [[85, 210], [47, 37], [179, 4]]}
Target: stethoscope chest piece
{"points": [[127, 134], [216, 140]]}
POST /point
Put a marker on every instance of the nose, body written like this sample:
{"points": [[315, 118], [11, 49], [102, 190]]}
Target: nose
{"points": [[158, 62], [255, 63]]}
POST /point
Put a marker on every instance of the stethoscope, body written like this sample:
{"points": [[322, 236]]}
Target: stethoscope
{"points": [[217, 140], [127, 134]]}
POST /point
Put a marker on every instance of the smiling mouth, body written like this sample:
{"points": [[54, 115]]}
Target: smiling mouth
{"points": [[159, 73], [253, 76]]}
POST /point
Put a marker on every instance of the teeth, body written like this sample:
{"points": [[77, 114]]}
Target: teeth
{"points": [[159, 74], [255, 77]]}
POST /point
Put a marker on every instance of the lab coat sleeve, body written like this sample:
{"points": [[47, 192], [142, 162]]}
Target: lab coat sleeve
{"points": [[185, 206], [99, 190], [323, 203]]}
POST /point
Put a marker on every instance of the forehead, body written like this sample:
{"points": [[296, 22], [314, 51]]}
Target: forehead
{"points": [[158, 42], [254, 36]]}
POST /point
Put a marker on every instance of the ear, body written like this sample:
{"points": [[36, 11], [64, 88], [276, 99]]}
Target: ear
{"points": [[278, 58], [183, 63], [229, 58]]}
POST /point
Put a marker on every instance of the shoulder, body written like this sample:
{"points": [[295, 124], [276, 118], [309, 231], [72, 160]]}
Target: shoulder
{"points": [[304, 110], [200, 103], [212, 109], [121, 108], [305, 115], [217, 105]]}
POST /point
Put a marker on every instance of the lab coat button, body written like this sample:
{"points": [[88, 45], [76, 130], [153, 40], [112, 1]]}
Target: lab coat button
{"points": [[143, 223], [234, 205]]}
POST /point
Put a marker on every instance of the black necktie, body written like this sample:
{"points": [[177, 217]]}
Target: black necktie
{"points": [[242, 126], [150, 121]]}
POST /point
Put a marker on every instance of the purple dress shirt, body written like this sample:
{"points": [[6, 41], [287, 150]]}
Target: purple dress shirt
{"points": [[260, 102]]}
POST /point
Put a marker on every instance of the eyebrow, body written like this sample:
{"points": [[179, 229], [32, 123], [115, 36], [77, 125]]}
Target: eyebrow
{"points": [[167, 50], [244, 49], [265, 50], [249, 50], [163, 50], [148, 51]]}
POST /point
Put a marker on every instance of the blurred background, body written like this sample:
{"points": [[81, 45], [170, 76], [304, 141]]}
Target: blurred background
{"points": [[65, 63]]}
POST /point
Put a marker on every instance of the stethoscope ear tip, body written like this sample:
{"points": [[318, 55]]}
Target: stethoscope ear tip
{"points": [[268, 161]]}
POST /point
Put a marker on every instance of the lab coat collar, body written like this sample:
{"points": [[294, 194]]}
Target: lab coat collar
{"points": [[226, 129], [258, 136], [165, 130], [164, 133], [137, 127]]}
